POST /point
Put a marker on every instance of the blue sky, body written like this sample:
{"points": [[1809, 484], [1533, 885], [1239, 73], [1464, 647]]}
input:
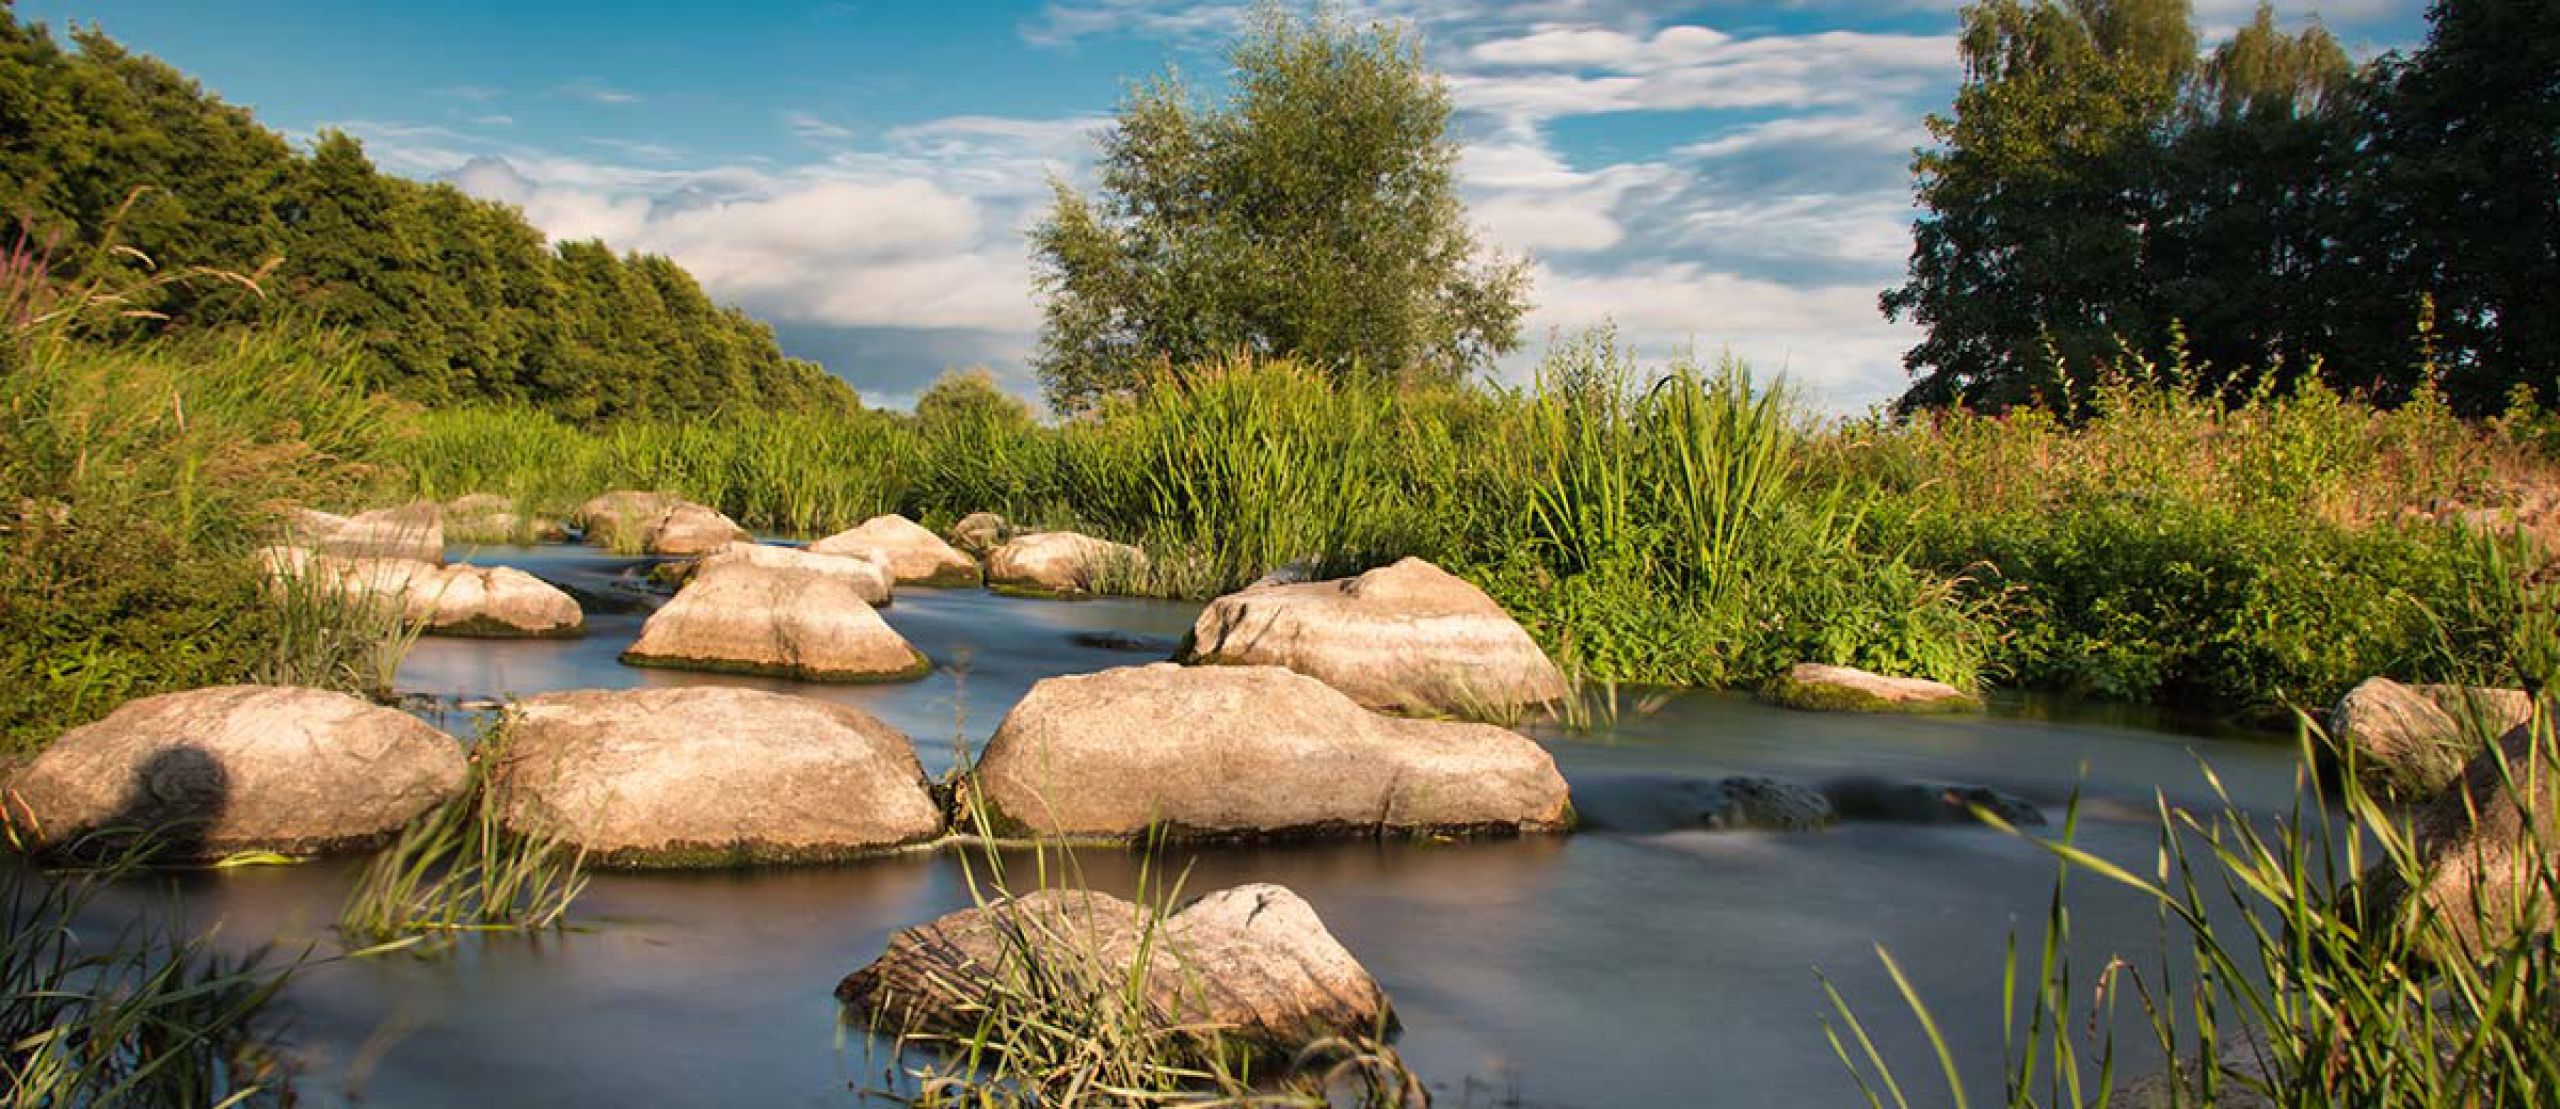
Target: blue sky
{"points": [[1706, 176]]}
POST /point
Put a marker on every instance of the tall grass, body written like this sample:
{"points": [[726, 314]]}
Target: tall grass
{"points": [[136, 475], [458, 868], [2291, 971], [143, 1017]]}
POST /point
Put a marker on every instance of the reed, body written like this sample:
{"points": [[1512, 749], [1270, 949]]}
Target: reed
{"points": [[2289, 973], [459, 869], [147, 1016]]}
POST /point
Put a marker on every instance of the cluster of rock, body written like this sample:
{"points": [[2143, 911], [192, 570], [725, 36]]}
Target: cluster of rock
{"points": [[464, 600], [414, 532]]}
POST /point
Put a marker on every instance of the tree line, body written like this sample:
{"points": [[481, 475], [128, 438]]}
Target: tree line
{"points": [[2254, 214], [451, 298]]}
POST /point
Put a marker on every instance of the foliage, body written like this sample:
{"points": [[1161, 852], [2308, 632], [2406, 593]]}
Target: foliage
{"points": [[2315, 994], [148, 1018], [1314, 215], [135, 479], [2268, 213], [443, 297], [459, 868]]}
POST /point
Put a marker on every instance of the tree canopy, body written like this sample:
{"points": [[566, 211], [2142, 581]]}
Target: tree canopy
{"points": [[2102, 188], [1313, 214], [451, 298]]}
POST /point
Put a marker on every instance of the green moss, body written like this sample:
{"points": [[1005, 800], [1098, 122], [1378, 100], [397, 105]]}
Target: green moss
{"points": [[918, 669]]}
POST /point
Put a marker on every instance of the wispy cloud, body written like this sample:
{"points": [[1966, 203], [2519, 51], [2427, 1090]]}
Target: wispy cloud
{"points": [[1061, 24], [813, 128], [596, 92], [477, 94], [495, 120]]}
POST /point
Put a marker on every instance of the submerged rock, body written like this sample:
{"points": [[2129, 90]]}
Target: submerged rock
{"points": [[490, 518], [913, 555], [1253, 964], [1817, 687], [235, 768], [621, 519], [1251, 752], [2410, 741], [1061, 564], [2488, 846], [1650, 804], [498, 602], [691, 529], [1862, 798], [712, 776], [980, 532], [1404, 638], [1125, 641], [751, 610], [413, 531]]}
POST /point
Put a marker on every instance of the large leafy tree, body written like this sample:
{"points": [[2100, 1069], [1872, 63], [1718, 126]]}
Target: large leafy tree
{"points": [[1313, 214]]}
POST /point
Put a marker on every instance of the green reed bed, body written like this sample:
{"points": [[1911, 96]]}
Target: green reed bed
{"points": [[459, 868]]}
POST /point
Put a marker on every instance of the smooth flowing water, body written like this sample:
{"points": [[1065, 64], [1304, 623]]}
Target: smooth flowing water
{"points": [[1601, 969]]}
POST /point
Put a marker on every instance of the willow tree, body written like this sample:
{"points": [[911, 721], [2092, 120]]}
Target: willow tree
{"points": [[1313, 214]]}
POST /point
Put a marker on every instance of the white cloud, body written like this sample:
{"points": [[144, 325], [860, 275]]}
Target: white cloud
{"points": [[1827, 340], [811, 127], [594, 92]]}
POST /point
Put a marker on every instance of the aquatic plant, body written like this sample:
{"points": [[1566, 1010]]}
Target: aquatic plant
{"points": [[2295, 968], [148, 1017], [459, 868]]}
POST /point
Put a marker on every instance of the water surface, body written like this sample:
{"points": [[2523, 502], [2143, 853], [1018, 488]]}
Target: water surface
{"points": [[1600, 969]]}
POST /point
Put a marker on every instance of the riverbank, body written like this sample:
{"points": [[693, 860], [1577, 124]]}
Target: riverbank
{"points": [[1685, 525]]}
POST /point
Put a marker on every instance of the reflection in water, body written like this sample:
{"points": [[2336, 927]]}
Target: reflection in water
{"points": [[1599, 970]]}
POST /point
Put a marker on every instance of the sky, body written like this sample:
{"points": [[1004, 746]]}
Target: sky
{"points": [[1706, 177]]}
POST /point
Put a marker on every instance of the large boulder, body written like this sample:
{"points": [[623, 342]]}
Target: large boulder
{"points": [[497, 602], [1062, 564], [621, 519], [2488, 849], [411, 531], [235, 768], [1249, 968], [1817, 687], [2411, 741], [913, 555], [711, 776], [688, 530], [980, 532], [766, 610], [1411, 637], [868, 577], [1250, 752], [490, 518]]}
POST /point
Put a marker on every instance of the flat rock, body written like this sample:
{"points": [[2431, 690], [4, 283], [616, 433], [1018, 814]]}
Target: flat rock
{"points": [[1817, 687], [1251, 752], [2410, 741], [1252, 965], [413, 531], [1651, 804], [691, 529], [236, 768], [1877, 799], [867, 576], [913, 555], [712, 776], [1410, 637], [751, 611], [1061, 564]]}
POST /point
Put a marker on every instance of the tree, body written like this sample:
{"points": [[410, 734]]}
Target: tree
{"points": [[1314, 214], [2458, 208]]}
